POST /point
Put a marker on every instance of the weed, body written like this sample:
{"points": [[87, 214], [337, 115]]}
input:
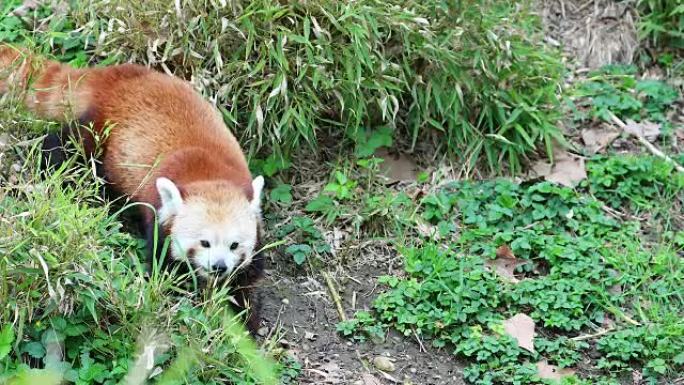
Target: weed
{"points": [[74, 282], [638, 183], [615, 89], [286, 73], [661, 22], [561, 351], [329, 202], [44, 30], [306, 239], [281, 194], [289, 371], [573, 256]]}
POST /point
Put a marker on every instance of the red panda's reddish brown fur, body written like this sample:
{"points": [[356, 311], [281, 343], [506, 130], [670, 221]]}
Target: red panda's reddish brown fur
{"points": [[157, 126], [152, 101]]}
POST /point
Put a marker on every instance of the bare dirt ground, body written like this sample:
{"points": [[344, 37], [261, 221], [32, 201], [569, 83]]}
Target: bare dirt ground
{"points": [[297, 306], [300, 310]]}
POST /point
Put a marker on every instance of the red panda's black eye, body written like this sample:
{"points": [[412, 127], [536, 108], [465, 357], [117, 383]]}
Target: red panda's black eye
{"points": [[234, 245], [205, 244]]}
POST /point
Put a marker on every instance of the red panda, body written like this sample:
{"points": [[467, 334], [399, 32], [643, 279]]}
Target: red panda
{"points": [[165, 147]]}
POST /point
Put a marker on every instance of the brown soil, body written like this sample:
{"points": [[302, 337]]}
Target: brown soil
{"points": [[300, 311]]}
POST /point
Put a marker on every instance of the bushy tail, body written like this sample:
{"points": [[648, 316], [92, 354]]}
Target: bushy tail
{"points": [[50, 89]]}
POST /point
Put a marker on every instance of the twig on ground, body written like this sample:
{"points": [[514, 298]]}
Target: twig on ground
{"points": [[420, 343], [335, 295], [592, 336], [653, 149], [619, 215]]}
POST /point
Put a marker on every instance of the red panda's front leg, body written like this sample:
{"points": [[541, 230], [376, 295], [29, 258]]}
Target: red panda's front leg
{"points": [[245, 295], [57, 147]]}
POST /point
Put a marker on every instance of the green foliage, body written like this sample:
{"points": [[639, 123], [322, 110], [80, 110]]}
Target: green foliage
{"points": [[561, 351], [638, 183], [341, 187], [57, 35], [299, 252], [287, 73], [371, 207], [662, 22], [660, 346], [6, 339], [270, 166], [360, 327], [281, 194], [615, 88], [306, 239], [572, 256], [73, 279], [368, 142], [289, 371], [329, 203]]}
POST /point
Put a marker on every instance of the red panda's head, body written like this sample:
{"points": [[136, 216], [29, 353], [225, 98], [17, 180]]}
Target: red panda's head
{"points": [[213, 223]]}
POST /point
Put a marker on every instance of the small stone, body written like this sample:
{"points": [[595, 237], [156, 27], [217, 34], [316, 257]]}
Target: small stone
{"points": [[309, 336], [383, 363], [4, 140], [413, 370], [285, 343], [285, 301], [16, 167], [262, 331]]}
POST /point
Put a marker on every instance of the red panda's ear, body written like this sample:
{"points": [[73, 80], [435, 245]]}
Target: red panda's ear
{"points": [[257, 187], [170, 196]]}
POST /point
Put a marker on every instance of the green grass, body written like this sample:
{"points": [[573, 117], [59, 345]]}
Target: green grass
{"points": [[575, 258], [287, 74], [602, 262], [662, 22], [616, 89], [73, 278]]}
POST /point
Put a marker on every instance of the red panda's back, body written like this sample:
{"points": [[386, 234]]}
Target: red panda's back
{"points": [[155, 116]]}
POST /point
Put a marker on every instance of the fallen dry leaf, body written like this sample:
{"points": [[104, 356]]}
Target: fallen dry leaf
{"points": [[521, 327], [541, 168], [645, 129], [505, 263], [504, 251], [551, 372], [397, 167], [568, 170], [596, 140]]}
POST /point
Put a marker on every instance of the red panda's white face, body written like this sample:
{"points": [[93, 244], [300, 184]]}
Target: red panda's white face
{"points": [[215, 226]]}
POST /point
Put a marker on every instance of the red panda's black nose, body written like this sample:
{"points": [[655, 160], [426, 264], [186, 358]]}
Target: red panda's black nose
{"points": [[220, 267]]}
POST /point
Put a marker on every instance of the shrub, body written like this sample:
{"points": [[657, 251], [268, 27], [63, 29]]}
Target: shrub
{"points": [[662, 22], [577, 267], [286, 73], [74, 280]]}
